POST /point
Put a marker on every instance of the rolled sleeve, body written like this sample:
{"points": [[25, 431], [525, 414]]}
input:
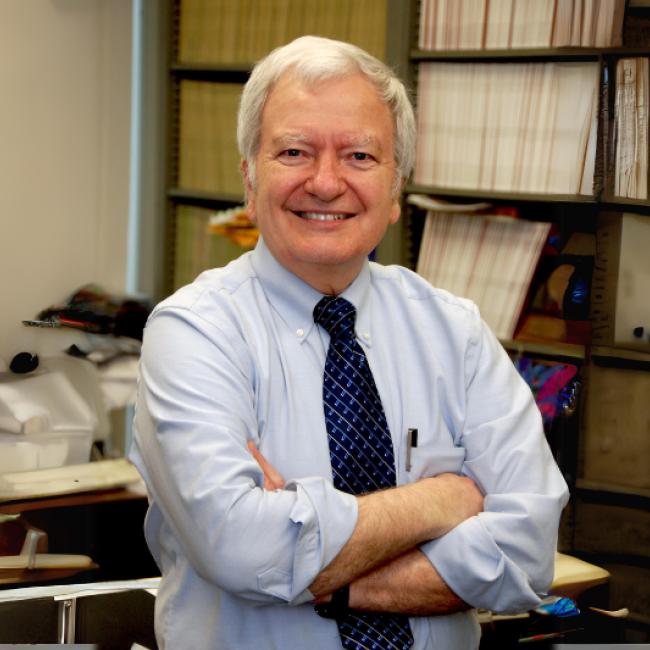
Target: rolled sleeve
{"points": [[194, 417], [502, 559], [317, 545], [271, 549], [491, 561]]}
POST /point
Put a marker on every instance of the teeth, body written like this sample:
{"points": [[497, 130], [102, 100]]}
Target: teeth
{"points": [[320, 216]]}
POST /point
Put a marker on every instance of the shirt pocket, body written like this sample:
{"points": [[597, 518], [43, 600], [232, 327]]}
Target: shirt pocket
{"points": [[428, 460]]}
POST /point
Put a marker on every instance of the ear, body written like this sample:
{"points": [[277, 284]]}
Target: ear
{"points": [[395, 211], [250, 192], [396, 208]]}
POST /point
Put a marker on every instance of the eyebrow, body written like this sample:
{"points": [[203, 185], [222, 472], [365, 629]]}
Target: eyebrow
{"points": [[289, 138], [348, 140], [359, 141]]}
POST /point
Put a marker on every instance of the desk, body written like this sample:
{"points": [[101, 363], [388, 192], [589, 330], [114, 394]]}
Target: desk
{"points": [[84, 498], [572, 576]]}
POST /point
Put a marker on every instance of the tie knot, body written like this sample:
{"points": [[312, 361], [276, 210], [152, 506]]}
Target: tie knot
{"points": [[336, 316]]}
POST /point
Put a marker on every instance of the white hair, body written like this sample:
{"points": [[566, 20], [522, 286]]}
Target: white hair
{"points": [[313, 59]]}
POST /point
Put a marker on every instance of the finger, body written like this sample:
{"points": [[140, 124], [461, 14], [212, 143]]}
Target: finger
{"points": [[273, 480]]}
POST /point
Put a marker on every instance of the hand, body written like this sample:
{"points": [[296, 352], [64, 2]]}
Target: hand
{"points": [[273, 480], [392, 522], [458, 498]]}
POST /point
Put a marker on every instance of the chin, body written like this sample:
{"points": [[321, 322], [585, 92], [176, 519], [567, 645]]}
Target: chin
{"points": [[333, 255]]}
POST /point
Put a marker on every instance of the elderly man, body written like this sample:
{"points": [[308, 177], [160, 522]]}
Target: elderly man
{"points": [[337, 453]]}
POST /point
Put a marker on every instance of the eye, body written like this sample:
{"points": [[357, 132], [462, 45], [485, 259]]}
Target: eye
{"points": [[291, 153], [292, 156], [362, 159]]}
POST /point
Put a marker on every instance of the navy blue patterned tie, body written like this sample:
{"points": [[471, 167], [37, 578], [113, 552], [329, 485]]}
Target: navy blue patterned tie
{"points": [[361, 453]]}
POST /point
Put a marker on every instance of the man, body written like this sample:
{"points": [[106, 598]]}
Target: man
{"points": [[263, 538]]}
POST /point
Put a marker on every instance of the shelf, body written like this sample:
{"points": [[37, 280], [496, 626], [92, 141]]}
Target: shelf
{"points": [[509, 55], [613, 493], [68, 500], [204, 199], [605, 203], [235, 72], [621, 203], [570, 351], [626, 359], [500, 195], [519, 55], [602, 356]]}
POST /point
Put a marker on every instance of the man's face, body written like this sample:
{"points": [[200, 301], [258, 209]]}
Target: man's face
{"points": [[325, 172]]}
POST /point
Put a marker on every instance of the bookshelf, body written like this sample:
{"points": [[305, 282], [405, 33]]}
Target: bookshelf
{"points": [[635, 42], [611, 427], [204, 55]]}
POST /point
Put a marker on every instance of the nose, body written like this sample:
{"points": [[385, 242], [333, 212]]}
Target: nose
{"points": [[326, 182]]}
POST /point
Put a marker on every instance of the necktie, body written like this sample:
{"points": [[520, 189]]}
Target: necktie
{"points": [[361, 453]]}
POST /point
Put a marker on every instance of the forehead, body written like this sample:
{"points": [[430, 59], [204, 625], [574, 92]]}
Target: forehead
{"points": [[349, 104]]}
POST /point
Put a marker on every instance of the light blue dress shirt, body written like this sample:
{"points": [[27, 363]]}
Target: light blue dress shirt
{"points": [[236, 356]]}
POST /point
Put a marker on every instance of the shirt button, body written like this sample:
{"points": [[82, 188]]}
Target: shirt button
{"points": [[300, 332], [366, 336]]}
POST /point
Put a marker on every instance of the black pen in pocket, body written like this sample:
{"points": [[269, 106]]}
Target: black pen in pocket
{"points": [[411, 442]]}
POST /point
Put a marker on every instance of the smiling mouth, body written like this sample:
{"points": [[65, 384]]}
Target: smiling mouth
{"points": [[323, 216]]}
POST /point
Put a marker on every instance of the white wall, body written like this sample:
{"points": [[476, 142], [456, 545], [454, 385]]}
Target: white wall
{"points": [[65, 91]]}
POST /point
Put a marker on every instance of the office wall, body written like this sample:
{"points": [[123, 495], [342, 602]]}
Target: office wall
{"points": [[65, 92]]}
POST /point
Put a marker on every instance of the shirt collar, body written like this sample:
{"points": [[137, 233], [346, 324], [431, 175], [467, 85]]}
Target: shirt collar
{"points": [[294, 300]]}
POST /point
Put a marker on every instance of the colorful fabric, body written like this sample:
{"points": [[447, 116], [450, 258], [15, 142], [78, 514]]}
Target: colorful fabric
{"points": [[553, 385]]}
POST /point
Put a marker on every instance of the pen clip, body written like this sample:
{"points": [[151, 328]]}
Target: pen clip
{"points": [[411, 442]]}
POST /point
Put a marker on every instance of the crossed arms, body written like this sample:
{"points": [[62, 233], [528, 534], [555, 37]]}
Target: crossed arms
{"points": [[381, 562], [306, 540]]}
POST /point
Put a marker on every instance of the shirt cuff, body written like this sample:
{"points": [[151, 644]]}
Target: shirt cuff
{"points": [[326, 518], [476, 570]]}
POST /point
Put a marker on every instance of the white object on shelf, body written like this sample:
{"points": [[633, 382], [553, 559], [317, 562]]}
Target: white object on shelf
{"points": [[99, 475], [42, 403], [34, 452], [45, 421]]}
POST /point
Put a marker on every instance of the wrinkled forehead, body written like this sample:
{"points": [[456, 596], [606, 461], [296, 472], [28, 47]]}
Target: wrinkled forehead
{"points": [[291, 83], [297, 78], [349, 112]]}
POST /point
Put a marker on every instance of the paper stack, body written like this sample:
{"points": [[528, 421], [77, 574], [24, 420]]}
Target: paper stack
{"points": [[246, 30], [512, 127], [505, 24], [209, 159], [631, 128], [486, 258]]}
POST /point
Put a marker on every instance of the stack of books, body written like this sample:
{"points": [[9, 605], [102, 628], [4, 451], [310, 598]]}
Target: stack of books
{"points": [[209, 158], [504, 24], [246, 30], [512, 127], [631, 128], [489, 259]]}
